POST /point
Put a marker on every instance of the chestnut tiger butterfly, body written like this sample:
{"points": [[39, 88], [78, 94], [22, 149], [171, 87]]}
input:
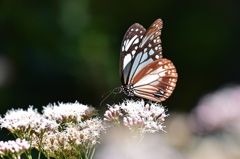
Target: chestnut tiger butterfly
{"points": [[144, 72]]}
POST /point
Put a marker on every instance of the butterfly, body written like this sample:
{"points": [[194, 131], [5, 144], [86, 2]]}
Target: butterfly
{"points": [[143, 70]]}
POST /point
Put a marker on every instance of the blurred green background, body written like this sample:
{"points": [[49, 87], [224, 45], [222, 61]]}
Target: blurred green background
{"points": [[68, 50]]}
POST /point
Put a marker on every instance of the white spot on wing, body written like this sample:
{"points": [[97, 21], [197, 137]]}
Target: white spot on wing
{"points": [[134, 66], [162, 74], [145, 39], [145, 55], [151, 52], [146, 88], [136, 41], [159, 70], [149, 70], [133, 52], [129, 43], [146, 80], [126, 60], [155, 83], [142, 65]]}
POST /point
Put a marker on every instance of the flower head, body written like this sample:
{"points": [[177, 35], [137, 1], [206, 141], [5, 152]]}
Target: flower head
{"points": [[13, 148], [25, 123], [137, 115], [68, 130], [65, 112], [74, 140], [19, 119]]}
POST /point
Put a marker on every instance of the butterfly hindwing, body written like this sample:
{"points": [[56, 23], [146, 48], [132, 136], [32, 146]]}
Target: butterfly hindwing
{"points": [[156, 81]]}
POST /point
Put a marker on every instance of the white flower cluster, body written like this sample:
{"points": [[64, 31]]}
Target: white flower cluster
{"points": [[25, 123], [19, 119], [13, 149], [64, 112], [66, 130], [74, 140], [138, 116]]}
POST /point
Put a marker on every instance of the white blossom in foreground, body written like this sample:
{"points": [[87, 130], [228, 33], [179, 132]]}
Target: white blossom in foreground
{"points": [[25, 123], [138, 116], [64, 112], [78, 133], [75, 140], [13, 149], [68, 130], [19, 119]]}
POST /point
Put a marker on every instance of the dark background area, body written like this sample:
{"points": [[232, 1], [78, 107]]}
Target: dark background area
{"points": [[65, 51]]}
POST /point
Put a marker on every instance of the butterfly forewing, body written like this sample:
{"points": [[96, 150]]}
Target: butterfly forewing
{"points": [[129, 48], [144, 52], [156, 81], [149, 50]]}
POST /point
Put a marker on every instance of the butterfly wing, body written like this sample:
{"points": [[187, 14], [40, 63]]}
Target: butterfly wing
{"points": [[129, 49], [156, 81], [139, 48]]}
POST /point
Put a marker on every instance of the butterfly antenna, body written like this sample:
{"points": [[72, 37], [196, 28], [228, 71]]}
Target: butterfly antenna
{"points": [[108, 96]]}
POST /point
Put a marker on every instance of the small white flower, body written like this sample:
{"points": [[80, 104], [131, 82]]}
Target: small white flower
{"points": [[75, 138], [19, 120], [13, 148], [138, 116], [25, 123], [113, 113], [64, 112], [64, 130]]}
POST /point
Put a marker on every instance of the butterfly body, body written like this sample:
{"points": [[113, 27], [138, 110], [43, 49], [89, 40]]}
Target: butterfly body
{"points": [[127, 89], [144, 73]]}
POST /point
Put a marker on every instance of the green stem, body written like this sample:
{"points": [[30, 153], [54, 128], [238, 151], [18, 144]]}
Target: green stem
{"points": [[39, 154], [28, 154], [92, 153]]}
